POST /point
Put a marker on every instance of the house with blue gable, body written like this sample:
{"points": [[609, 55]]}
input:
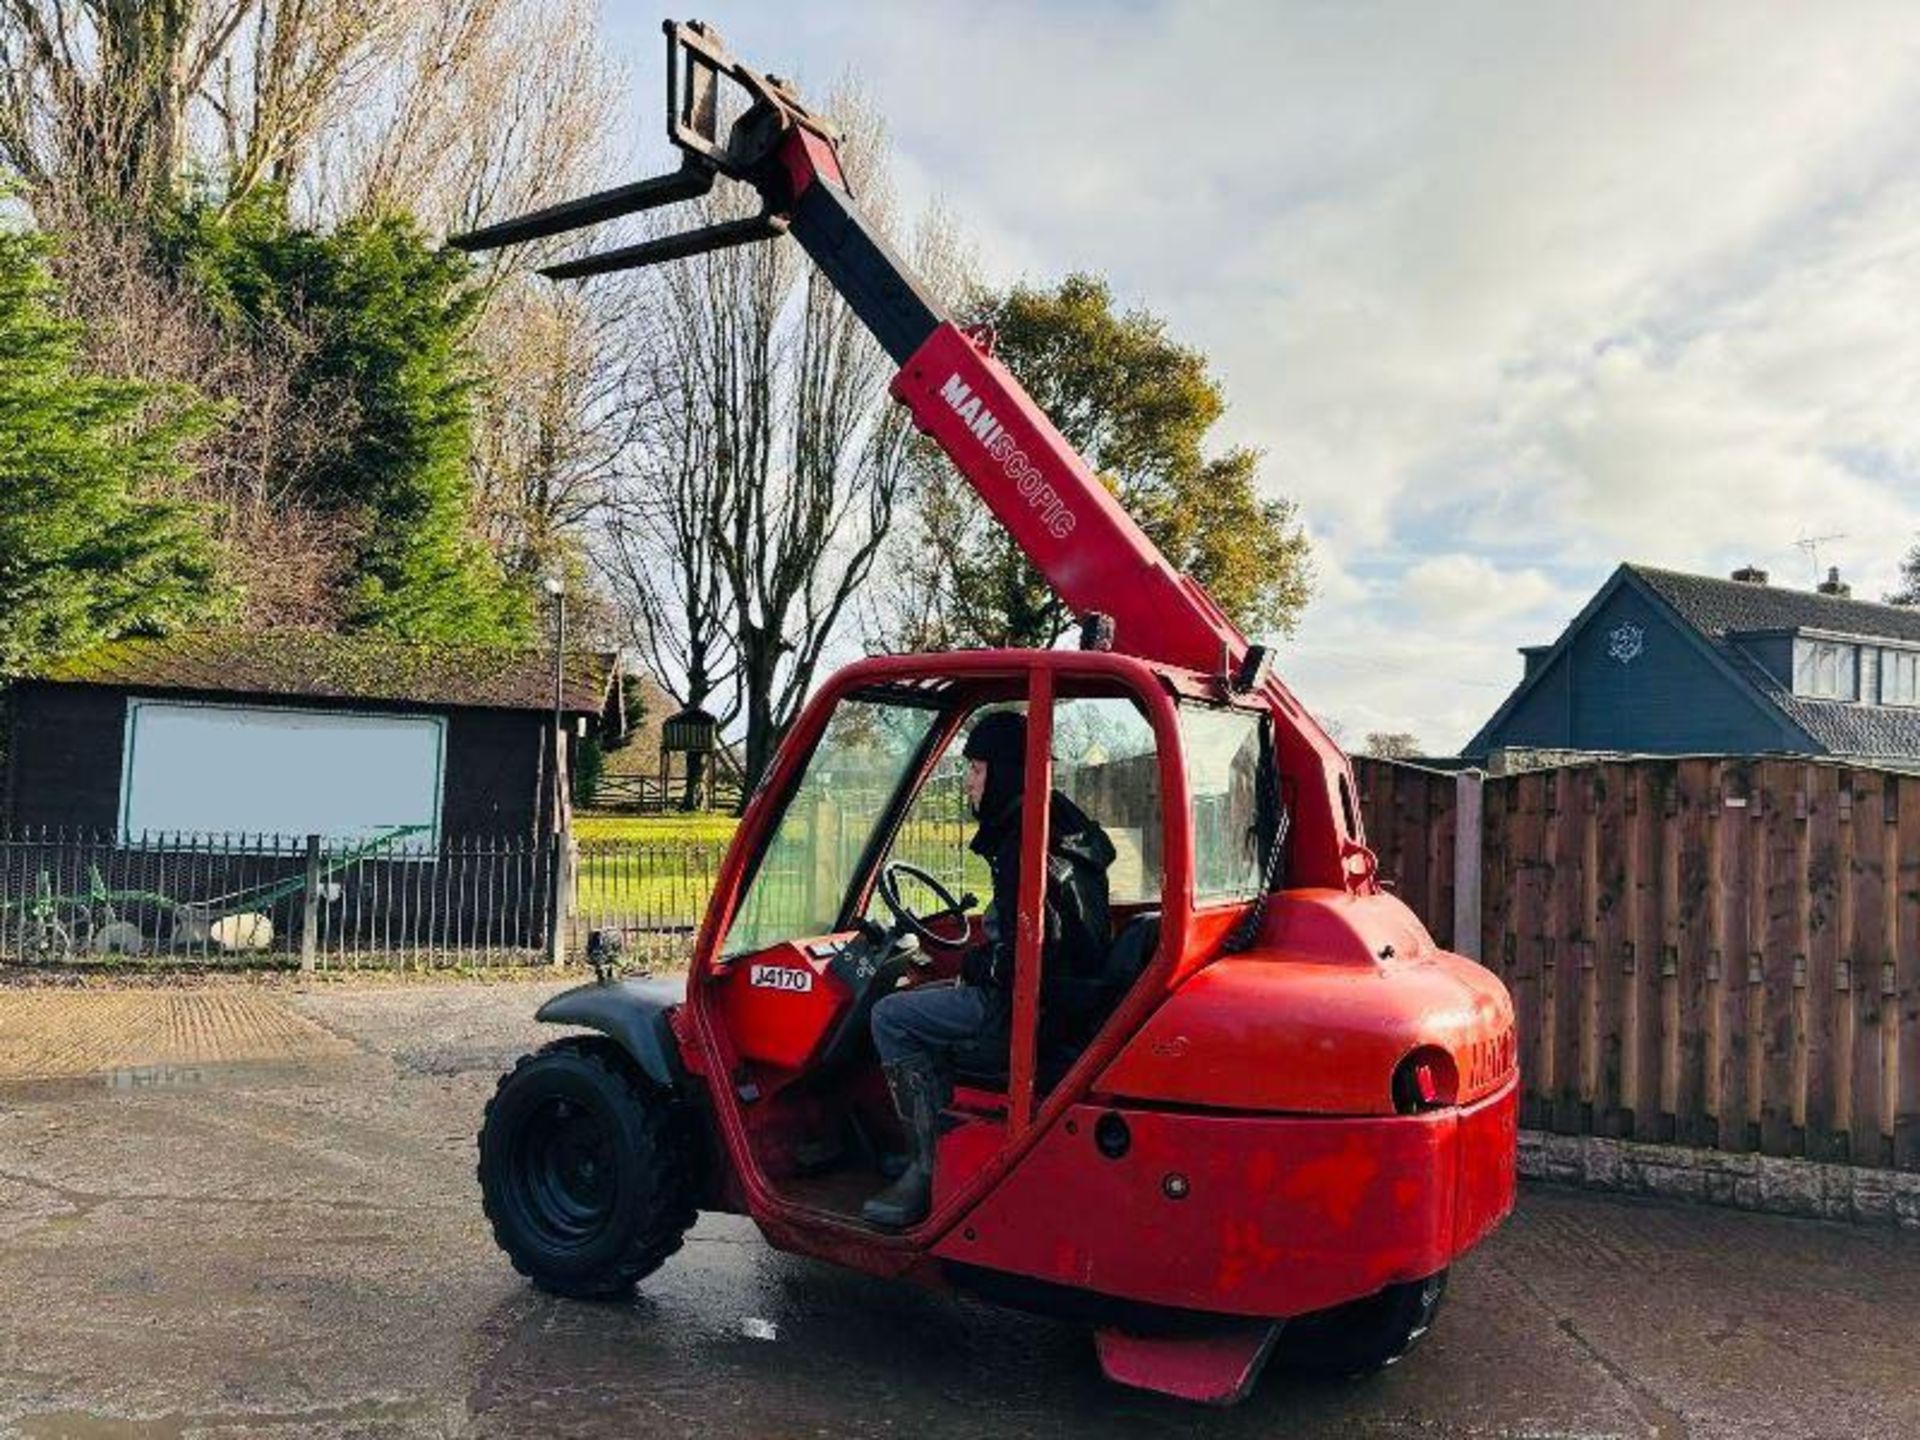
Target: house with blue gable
{"points": [[1664, 663]]}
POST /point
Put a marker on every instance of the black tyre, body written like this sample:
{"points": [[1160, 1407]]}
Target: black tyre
{"points": [[1366, 1335], [586, 1170]]}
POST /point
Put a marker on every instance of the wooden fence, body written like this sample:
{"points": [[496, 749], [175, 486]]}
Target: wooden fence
{"points": [[1710, 951]]}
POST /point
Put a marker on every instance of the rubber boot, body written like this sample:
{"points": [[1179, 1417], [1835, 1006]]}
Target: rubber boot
{"points": [[915, 1089]]}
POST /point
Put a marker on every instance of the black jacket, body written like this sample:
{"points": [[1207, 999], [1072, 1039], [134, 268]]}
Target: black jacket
{"points": [[1078, 928]]}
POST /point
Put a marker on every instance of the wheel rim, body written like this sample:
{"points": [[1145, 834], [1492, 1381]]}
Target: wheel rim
{"points": [[563, 1180]]}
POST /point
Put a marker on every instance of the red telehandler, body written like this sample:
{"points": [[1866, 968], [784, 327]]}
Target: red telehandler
{"points": [[1268, 1127]]}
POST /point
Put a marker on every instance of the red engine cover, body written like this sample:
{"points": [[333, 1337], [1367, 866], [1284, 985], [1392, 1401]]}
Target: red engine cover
{"points": [[1315, 1018]]}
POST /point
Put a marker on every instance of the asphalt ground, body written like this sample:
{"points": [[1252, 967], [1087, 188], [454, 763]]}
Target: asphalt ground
{"points": [[201, 1239]]}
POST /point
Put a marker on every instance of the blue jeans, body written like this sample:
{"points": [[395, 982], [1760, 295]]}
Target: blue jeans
{"points": [[945, 1025]]}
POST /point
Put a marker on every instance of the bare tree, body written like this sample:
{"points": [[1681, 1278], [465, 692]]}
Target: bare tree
{"points": [[913, 606], [656, 548], [482, 108], [102, 102], [1392, 745], [295, 70], [763, 490], [554, 425], [443, 108], [93, 95]]}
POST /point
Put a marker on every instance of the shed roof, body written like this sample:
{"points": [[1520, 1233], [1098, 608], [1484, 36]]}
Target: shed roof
{"points": [[313, 664]]}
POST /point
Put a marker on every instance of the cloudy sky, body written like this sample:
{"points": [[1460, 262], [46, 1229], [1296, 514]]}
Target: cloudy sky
{"points": [[1508, 293]]}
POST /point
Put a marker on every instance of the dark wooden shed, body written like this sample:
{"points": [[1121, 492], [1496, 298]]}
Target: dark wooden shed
{"points": [[212, 728]]}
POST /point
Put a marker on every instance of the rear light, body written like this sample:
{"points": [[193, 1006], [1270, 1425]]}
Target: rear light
{"points": [[1425, 1080]]}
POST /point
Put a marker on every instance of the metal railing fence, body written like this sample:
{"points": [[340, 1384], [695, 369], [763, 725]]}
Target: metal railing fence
{"points": [[397, 900], [68, 896]]}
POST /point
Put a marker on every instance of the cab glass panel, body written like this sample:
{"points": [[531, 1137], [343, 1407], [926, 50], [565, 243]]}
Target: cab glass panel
{"points": [[801, 879], [1224, 749]]}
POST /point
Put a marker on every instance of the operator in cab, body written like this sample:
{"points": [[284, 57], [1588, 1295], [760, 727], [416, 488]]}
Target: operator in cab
{"points": [[922, 1033]]}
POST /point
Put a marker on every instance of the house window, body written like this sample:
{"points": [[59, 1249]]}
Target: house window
{"points": [[1825, 670], [1900, 677]]}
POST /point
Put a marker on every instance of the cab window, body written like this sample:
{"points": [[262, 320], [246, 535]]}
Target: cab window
{"points": [[1223, 752], [800, 882], [933, 834], [1106, 762]]}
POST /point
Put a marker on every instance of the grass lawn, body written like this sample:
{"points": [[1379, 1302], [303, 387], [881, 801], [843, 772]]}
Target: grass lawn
{"points": [[648, 871], [645, 872], [699, 827], [655, 873]]}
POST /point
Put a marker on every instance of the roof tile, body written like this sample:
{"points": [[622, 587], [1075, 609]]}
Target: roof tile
{"points": [[1719, 608], [1724, 607]]}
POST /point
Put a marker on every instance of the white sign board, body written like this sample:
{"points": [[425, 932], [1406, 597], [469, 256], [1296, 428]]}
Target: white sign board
{"points": [[228, 769]]}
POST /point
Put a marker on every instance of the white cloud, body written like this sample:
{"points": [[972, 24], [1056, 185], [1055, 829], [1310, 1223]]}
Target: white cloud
{"points": [[1508, 292], [1456, 590]]}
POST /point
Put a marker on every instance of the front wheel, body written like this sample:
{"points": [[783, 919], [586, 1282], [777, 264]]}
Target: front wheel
{"points": [[586, 1171], [1365, 1335]]}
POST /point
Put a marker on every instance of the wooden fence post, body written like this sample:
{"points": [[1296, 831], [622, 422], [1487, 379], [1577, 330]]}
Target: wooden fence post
{"points": [[1469, 835], [310, 909], [561, 869]]}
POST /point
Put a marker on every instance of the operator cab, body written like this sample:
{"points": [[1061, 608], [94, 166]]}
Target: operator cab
{"points": [[864, 883]]}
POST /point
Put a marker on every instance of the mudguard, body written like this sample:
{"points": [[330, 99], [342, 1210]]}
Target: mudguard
{"points": [[634, 1014]]}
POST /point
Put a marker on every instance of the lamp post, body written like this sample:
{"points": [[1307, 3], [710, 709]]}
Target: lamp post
{"points": [[556, 589]]}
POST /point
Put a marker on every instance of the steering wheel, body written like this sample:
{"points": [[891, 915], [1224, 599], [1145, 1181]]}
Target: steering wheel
{"points": [[921, 925]]}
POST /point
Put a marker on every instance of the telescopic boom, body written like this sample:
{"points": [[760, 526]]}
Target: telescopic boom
{"points": [[1066, 522]]}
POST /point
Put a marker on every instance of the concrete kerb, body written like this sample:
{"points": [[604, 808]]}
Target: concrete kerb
{"points": [[1743, 1182]]}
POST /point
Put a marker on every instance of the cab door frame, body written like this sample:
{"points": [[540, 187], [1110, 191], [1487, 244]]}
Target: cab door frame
{"points": [[804, 1229], [1031, 924]]}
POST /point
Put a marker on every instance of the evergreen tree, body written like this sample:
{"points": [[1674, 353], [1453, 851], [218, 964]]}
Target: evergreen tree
{"points": [[88, 549], [382, 320]]}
